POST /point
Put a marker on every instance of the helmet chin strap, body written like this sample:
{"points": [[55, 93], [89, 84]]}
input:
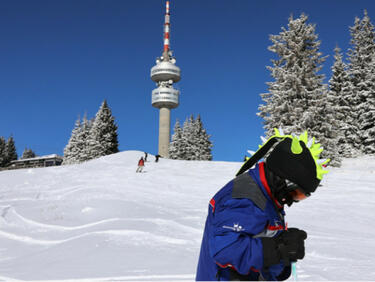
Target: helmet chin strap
{"points": [[283, 197], [279, 188]]}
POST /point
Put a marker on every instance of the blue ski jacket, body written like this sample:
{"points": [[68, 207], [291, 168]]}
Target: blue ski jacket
{"points": [[239, 215]]}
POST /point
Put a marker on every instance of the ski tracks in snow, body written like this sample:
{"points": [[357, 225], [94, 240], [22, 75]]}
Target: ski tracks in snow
{"points": [[19, 228]]}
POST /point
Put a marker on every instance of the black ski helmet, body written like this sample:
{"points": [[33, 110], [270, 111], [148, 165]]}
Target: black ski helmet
{"points": [[293, 158], [297, 168]]}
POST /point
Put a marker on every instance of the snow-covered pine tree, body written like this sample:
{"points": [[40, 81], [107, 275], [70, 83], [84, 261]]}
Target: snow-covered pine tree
{"points": [[296, 98], [289, 103], [71, 150], [2, 151], [83, 144], [10, 151], [340, 97], [362, 71], [191, 142], [103, 135], [328, 130], [27, 154], [176, 146], [187, 152], [201, 142]]}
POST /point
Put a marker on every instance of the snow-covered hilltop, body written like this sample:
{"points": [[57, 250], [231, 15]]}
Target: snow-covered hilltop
{"points": [[101, 220]]}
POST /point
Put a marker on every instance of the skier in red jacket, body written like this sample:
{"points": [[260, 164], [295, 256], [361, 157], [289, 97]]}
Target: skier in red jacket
{"points": [[141, 164]]}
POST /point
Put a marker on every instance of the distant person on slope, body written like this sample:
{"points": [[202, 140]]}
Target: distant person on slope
{"points": [[141, 164], [157, 158], [246, 237], [146, 156]]}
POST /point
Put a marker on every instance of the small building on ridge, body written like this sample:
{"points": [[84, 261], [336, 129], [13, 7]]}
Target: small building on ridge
{"points": [[42, 161]]}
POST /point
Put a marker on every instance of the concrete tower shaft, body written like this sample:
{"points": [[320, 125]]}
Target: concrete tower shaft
{"points": [[164, 131], [165, 97]]}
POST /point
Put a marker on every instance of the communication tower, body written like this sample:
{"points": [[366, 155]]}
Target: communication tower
{"points": [[165, 97]]}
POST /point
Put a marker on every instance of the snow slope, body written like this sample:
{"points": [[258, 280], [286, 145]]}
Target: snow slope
{"points": [[101, 221]]}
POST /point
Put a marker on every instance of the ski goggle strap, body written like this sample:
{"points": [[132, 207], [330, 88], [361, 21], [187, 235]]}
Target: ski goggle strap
{"points": [[258, 155]]}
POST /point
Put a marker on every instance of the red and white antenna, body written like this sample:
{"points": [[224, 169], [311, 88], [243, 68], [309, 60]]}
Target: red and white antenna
{"points": [[166, 28]]}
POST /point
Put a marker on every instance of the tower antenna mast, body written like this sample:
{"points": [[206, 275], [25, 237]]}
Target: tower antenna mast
{"points": [[167, 26]]}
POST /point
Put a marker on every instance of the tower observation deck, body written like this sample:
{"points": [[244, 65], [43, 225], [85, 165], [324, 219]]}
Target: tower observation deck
{"points": [[165, 97]]}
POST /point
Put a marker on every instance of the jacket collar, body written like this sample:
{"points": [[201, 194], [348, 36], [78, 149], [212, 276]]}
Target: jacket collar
{"points": [[266, 186]]}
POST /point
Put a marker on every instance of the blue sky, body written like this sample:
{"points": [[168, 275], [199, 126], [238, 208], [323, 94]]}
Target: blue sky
{"points": [[61, 59]]}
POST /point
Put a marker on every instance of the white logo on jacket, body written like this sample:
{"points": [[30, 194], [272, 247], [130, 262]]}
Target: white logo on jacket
{"points": [[236, 227]]}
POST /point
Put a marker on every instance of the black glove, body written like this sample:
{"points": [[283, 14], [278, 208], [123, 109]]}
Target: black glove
{"points": [[288, 246]]}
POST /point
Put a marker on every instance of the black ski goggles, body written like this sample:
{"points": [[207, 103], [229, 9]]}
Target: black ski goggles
{"points": [[295, 191]]}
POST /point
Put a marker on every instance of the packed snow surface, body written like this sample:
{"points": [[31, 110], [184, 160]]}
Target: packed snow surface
{"points": [[102, 221]]}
